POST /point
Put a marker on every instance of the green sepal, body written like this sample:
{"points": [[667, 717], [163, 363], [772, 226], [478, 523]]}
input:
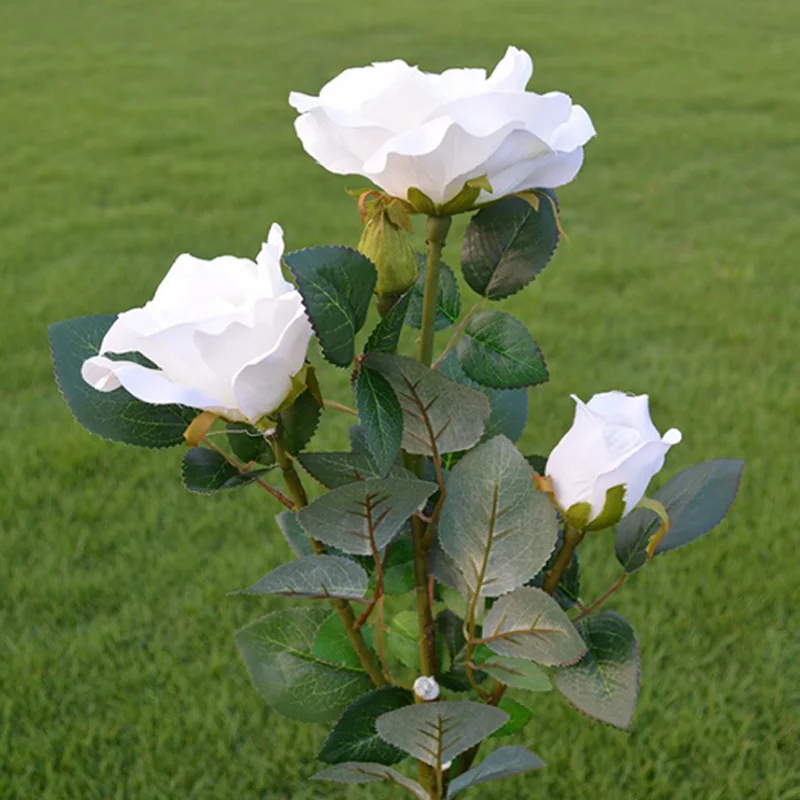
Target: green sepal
{"points": [[578, 515], [420, 202], [466, 198], [386, 241], [613, 509]]}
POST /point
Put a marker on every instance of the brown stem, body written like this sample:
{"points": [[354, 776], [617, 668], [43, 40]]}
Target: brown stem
{"points": [[427, 628], [276, 493], [603, 597], [572, 538], [343, 608], [340, 407]]}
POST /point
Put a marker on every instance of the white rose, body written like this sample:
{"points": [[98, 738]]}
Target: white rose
{"points": [[402, 128], [226, 335], [612, 442]]}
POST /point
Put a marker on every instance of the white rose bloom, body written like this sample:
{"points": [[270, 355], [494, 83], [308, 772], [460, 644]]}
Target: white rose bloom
{"points": [[612, 442], [401, 128], [226, 335]]}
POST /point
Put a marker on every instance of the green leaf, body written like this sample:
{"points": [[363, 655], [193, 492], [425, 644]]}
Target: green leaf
{"points": [[386, 335], [455, 414], [336, 284], [248, 444], [358, 441], [696, 500], [507, 244], [398, 568], [538, 464], [206, 471], [365, 772], [348, 517], [381, 417], [503, 763], [355, 737], [509, 407], [448, 298], [337, 469], [320, 576], [296, 683], [332, 644], [294, 534], [495, 526], [118, 415], [403, 639], [437, 732], [604, 684], [497, 350], [528, 623], [298, 423], [518, 717], [517, 673]]}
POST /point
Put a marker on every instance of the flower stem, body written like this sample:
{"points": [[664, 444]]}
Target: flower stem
{"points": [[572, 538], [435, 237], [590, 609], [343, 608], [459, 331]]}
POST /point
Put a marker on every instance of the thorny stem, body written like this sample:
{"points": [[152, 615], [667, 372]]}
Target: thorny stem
{"points": [[343, 608], [458, 333], [590, 609], [572, 538]]}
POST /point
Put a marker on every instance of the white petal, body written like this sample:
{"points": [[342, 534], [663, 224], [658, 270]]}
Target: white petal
{"points": [[148, 385], [554, 170], [632, 411], [575, 132], [270, 274], [672, 437], [262, 385], [634, 472], [579, 458], [512, 72], [437, 159]]}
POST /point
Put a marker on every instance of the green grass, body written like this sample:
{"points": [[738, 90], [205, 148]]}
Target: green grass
{"points": [[132, 131]]}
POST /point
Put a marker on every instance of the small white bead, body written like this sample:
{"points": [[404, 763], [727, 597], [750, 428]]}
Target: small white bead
{"points": [[426, 688]]}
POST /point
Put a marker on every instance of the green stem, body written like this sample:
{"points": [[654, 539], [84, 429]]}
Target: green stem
{"points": [[343, 608], [572, 538], [435, 237]]}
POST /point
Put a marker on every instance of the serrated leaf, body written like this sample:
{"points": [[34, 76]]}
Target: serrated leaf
{"points": [[403, 639], [358, 441], [381, 417], [518, 717], [503, 763], [298, 423], [448, 298], [497, 529], [528, 623], [437, 732], [349, 516], [517, 673], [338, 469], [336, 284], [398, 568], [507, 244], [295, 536], [604, 684], [696, 500], [277, 652], [386, 335], [332, 644], [248, 444], [315, 577], [456, 414], [497, 350], [206, 471], [118, 415], [355, 737], [509, 407], [364, 772]]}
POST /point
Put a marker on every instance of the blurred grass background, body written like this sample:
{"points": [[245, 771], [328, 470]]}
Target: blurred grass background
{"points": [[133, 130]]}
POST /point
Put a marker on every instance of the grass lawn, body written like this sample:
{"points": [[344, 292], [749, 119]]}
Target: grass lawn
{"points": [[131, 131]]}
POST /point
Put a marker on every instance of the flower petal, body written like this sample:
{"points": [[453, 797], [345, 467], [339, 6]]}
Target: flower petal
{"points": [[270, 275], [512, 72], [148, 385], [629, 410]]}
